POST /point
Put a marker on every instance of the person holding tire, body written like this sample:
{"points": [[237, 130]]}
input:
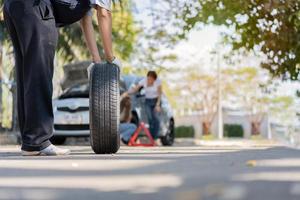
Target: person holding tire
{"points": [[103, 81], [153, 91]]}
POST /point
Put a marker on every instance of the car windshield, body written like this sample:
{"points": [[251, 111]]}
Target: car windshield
{"points": [[77, 91], [131, 80], [82, 90]]}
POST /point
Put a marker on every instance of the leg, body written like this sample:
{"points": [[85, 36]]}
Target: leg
{"points": [[105, 29], [155, 124], [18, 64], [127, 130], [152, 117], [148, 109], [37, 40]]}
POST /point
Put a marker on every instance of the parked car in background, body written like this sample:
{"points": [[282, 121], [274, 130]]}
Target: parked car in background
{"points": [[71, 113], [71, 108]]}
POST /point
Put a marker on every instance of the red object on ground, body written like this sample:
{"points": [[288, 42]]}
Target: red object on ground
{"points": [[135, 143]]}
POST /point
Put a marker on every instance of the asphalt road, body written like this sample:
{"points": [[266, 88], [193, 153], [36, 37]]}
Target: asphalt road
{"points": [[183, 172]]}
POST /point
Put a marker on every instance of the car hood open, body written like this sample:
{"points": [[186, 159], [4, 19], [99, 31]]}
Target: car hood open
{"points": [[75, 73]]}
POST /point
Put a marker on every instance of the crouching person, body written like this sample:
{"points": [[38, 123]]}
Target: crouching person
{"points": [[127, 128]]}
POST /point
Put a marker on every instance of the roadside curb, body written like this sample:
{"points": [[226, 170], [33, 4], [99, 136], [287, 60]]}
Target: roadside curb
{"points": [[8, 139], [238, 143]]}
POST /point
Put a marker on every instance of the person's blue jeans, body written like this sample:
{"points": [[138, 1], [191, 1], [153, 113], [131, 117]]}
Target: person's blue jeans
{"points": [[153, 118], [127, 130]]}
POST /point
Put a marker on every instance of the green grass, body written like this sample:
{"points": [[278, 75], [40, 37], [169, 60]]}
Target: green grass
{"points": [[209, 137], [256, 137]]}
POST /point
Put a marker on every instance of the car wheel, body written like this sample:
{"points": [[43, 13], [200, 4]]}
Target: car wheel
{"points": [[104, 108], [169, 138], [58, 140]]}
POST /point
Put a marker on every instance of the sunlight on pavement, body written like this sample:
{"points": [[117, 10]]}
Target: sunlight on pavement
{"points": [[288, 162], [214, 191], [290, 176], [295, 189], [79, 165], [32, 194], [135, 184]]}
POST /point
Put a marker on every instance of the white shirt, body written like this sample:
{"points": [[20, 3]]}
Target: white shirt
{"points": [[102, 3], [151, 92]]}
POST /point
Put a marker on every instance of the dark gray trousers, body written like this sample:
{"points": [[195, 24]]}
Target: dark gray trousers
{"points": [[32, 29]]}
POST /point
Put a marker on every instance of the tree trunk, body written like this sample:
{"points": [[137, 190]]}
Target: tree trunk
{"points": [[255, 128], [14, 124], [206, 128], [1, 80]]}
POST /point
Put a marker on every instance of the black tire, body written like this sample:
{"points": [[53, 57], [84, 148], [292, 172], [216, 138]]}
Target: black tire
{"points": [[105, 108], [58, 140], [169, 138]]}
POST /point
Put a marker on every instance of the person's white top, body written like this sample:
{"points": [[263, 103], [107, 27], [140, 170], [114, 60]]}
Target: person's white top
{"points": [[151, 92], [102, 3]]}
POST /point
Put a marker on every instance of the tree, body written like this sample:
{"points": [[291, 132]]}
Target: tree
{"points": [[71, 45], [255, 93], [198, 92], [269, 26], [248, 89]]}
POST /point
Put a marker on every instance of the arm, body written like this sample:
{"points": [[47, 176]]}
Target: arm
{"points": [[131, 91], [134, 89], [88, 31], [105, 28]]}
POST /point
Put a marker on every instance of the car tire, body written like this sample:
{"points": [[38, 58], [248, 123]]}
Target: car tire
{"points": [[104, 108], [58, 140], [169, 138]]}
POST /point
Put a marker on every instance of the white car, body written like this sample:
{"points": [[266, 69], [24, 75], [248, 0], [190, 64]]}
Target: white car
{"points": [[71, 114]]}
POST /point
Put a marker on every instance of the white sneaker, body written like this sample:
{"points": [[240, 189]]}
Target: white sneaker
{"points": [[30, 153], [49, 151]]}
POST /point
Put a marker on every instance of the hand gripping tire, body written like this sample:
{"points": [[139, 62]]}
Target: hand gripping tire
{"points": [[104, 108]]}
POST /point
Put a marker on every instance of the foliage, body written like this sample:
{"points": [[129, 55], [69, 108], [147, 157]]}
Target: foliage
{"points": [[233, 130], [184, 132], [71, 45], [198, 92], [247, 89], [268, 26], [256, 94]]}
